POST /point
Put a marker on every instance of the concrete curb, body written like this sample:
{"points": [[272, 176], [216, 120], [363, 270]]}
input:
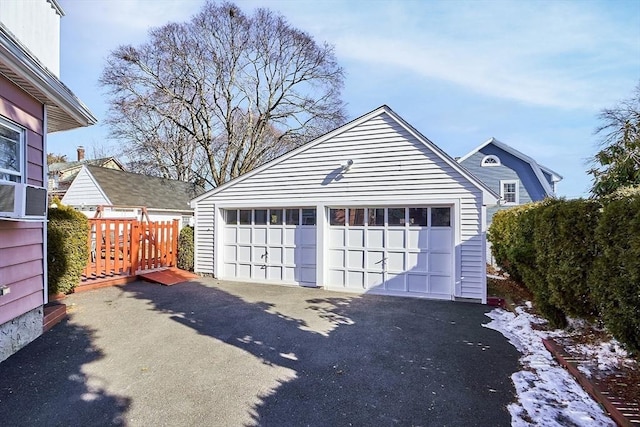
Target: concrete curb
{"points": [[625, 414]]}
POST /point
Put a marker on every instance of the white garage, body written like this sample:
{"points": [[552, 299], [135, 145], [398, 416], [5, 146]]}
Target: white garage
{"points": [[372, 206]]}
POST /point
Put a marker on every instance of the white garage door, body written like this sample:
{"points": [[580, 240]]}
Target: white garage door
{"points": [[392, 250], [270, 245]]}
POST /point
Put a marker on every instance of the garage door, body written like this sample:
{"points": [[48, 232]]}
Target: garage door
{"points": [[270, 245], [392, 250]]}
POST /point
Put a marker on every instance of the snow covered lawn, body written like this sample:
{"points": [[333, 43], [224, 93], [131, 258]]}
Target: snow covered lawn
{"points": [[547, 395]]}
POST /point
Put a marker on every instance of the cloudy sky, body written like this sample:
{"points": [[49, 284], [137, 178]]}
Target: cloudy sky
{"points": [[533, 74]]}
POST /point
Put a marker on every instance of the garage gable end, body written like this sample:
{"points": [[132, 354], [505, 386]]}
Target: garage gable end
{"points": [[377, 154]]}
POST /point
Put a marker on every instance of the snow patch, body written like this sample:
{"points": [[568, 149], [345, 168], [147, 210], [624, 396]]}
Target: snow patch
{"points": [[608, 356], [547, 394]]}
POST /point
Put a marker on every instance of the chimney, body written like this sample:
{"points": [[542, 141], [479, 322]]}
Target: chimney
{"points": [[80, 153]]}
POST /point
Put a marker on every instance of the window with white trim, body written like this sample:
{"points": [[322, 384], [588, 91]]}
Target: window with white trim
{"points": [[490, 160], [509, 192], [11, 152]]}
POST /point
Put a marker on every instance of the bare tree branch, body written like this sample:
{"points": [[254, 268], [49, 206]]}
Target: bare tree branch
{"points": [[617, 164], [213, 98]]}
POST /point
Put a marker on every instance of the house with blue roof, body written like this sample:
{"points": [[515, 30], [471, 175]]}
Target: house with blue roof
{"points": [[516, 177]]}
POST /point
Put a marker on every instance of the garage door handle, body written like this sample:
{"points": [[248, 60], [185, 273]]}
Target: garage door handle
{"points": [[381, 261]]}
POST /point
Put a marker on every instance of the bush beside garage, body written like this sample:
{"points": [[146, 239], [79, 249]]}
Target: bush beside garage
{"points": [[580, 258]]}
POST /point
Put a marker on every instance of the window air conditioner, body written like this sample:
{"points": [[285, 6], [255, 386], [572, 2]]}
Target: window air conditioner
{"points": [[22, 201]]}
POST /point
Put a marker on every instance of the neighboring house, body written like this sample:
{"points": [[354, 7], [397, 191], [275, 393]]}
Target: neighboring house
{"points": [[516, 177], [62, 174], [33, 103], [372, 206], [124, 195]]}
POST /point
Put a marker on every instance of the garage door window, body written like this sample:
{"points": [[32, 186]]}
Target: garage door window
{"points": [[245, 216], [356, 217], [440, 217], [231, 216], [260, 216], [275, 216], [396, 216], [308, 217], [376, 217], [418, 217], [293, 217], [336, 216]]}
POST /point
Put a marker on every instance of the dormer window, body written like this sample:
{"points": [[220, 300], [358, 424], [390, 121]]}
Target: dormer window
{"points": [[490, 160]]}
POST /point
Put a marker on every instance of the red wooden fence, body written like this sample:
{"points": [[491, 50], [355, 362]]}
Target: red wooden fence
{"points": [[124, 247]]}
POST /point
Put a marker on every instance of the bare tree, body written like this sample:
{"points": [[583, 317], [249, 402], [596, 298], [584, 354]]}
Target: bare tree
{"points": [[617, 164], [101, 149], [56, 158], [217, 96]]}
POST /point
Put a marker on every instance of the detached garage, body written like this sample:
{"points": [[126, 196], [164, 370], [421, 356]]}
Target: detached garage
{"points": [[372, 206]]}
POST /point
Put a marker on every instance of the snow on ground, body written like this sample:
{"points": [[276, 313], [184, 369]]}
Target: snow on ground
{"points": [[607, 356], [547, 395]]}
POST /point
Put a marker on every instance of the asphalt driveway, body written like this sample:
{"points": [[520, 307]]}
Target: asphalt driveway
{"points": [[232, 354]]}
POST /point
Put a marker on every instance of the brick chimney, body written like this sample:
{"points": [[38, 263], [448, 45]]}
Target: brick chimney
{"points": [[80, 153]]}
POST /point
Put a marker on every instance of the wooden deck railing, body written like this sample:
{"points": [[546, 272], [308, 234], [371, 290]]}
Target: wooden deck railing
{"points": [[124, 247]]}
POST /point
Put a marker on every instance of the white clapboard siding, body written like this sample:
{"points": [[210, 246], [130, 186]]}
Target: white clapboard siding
{"points": [[203, 236], [389, 163], [84, 191]]}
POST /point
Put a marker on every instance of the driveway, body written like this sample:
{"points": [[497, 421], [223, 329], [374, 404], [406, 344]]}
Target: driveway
{"points": [[232, 354]]}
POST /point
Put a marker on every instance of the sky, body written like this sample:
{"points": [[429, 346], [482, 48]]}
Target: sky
{"points": [[532, 74]]}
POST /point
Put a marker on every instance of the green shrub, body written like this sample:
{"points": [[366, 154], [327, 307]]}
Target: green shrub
{"points": [[615, 276], [186, 249], [513, 230], [67, 250], [564, 241], [578, 258], [509, 246]]}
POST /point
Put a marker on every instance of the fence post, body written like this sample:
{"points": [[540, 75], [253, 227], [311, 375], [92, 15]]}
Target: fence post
{"points": [[87, 268], [175, 232], [134, 248]]}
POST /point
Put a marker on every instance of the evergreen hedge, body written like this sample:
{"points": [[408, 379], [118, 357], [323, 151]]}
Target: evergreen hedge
{"points": [[67, 249], [501, 234], [565, 249], [579, 258], [186, 249], [615, 277]]}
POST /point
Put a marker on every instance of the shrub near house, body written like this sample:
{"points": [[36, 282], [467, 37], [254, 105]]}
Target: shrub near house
{"points": [[579, 258], [186, 249], [67, 250]]}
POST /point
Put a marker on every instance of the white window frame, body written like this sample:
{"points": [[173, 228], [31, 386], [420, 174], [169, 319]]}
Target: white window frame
{"points": [[22, 151], [486, 161], [517, 191]]}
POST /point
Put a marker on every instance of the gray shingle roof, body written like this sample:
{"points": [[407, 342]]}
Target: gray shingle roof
{"points": [[132, 189], [62, 166]]}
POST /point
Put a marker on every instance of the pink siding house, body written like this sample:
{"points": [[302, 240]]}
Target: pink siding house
{"points": [[33, 103]]}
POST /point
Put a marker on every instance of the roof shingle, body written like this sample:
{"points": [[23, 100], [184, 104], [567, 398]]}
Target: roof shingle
{"points": [[132, 189]]}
